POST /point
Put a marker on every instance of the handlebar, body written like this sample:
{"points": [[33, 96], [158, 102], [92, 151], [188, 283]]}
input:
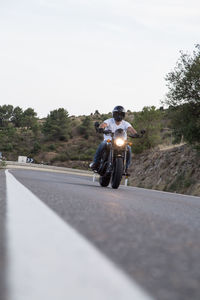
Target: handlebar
{"points": [[138, 136], [107, 131], [134, 136]]}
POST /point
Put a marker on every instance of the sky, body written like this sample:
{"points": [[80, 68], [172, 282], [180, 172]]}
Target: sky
{"points": [[87, 55]]}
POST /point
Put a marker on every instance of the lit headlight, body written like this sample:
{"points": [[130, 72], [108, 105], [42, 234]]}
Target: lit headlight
{"points": [[119, 142]]}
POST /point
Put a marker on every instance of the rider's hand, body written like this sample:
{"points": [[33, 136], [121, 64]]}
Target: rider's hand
{"points": [[136, 135], [100, 130]]}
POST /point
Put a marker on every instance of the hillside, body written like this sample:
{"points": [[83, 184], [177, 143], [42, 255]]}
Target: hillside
{"points": [[71, 141]]}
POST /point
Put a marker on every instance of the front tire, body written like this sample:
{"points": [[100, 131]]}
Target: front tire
{"points": [[117, 173]]}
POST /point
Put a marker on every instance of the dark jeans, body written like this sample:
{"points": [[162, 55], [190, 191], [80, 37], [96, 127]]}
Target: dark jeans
{"points": [[100, 149]]}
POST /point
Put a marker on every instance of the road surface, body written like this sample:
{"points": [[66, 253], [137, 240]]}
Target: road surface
{"points": [[152, 236]]}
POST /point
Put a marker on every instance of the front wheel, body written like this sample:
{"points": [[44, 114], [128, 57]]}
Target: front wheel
{"points": [[117, 172]]}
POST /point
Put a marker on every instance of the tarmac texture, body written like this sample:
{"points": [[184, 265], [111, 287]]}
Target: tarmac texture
{"points": [[153, 236]]}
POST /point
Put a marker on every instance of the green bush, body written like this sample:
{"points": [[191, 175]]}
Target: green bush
{"points": [[51, 147], [86, 128], [7, 147], [57, 125], [36, 148], [2, 164], [150, 120]]}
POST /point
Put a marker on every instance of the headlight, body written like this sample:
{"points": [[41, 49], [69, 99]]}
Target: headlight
{"points": [[119, 142]]}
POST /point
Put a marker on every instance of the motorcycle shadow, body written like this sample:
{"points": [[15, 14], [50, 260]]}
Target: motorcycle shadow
{"points": [[93, 185]]}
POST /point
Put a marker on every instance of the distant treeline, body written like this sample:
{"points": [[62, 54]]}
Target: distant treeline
{"points": [[21, 132]]}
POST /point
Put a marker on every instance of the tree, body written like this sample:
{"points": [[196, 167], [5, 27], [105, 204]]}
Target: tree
{"points": [[17, 117], [86, 128], [5, 115], [29, 118], [183, 96], [96, 112], [57, 125]]}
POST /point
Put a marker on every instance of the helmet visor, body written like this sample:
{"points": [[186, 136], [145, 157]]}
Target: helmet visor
{"points": [[118, 115]]}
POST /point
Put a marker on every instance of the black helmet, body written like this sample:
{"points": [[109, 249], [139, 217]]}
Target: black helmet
{"points": [[118, 113]]}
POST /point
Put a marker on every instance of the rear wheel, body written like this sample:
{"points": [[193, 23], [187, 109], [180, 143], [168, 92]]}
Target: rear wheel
{"points": [[117, 173], [104, 180]]}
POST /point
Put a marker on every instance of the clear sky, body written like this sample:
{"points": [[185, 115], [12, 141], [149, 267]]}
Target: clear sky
{"points": [[85, 55]]}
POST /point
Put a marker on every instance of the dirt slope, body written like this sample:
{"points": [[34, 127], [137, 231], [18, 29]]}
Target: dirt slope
{"points": [[174, 170]]}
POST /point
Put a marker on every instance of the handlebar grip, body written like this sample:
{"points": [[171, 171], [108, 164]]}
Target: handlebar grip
{"points": [[100, 130], [136, 135]]}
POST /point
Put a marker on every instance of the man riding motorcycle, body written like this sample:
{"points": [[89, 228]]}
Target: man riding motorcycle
{"points": [[114, 123]]}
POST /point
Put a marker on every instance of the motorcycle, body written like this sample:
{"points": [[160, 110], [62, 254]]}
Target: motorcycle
{"points": [[114, 157]]}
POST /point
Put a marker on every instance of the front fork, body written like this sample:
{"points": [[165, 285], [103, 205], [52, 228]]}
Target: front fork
{"points": [[125, 158], [110, 159]]}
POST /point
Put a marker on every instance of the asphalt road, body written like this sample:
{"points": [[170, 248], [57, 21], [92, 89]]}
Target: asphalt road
{"points": [[153, 236]]}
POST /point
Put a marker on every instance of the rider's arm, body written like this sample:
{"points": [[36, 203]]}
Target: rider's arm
{"points": [[103, 125], [131, 130]]}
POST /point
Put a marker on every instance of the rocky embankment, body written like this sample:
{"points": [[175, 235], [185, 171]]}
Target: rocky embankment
{"points": [[173, 170]]}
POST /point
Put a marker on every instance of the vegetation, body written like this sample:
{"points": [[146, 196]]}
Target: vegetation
{"points": [[18, 117], [2, 164], [182, 181], [57, 125], [60, 138], [183, 97], [149, 119], [86, 128]]}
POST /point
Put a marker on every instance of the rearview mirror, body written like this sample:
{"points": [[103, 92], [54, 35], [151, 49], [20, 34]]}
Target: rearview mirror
{"points": [[96, 124]]}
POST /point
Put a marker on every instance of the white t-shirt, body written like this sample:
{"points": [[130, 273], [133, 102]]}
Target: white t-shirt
{"points": [[113, 126]]}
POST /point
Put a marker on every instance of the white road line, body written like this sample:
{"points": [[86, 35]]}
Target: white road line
{"points": [[50, 260]]}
